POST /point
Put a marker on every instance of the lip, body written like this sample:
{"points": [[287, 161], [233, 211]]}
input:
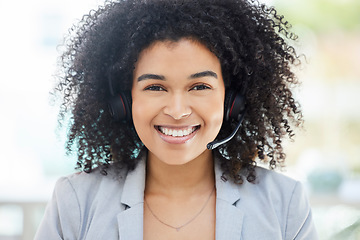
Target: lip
{"points": [[177, 140]]}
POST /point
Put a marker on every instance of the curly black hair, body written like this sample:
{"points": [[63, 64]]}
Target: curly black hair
{"points": [[251, 41]]}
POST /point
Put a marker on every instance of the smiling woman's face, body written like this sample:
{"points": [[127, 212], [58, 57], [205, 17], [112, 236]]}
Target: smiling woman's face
{"points": [[178, 100]]}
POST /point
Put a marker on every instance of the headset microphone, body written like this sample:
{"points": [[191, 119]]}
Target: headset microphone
{"points": [[214, 144]]}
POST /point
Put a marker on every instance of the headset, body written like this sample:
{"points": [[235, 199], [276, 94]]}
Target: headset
{"points": [[234, 109], [119, 104]]}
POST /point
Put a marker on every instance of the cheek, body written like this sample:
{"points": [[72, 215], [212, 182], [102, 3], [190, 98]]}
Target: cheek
{"points": [[218, 113], [140, 114], [218, 116], [213, 113]]}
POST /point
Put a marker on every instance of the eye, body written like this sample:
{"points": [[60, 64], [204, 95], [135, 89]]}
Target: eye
{"points": [[200, 87], [154, 88]]}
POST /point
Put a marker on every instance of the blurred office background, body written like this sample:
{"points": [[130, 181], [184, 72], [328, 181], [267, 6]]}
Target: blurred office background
{"points": [[325, 155]]}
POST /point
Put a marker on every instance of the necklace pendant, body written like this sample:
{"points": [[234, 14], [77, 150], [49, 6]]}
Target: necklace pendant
{"points": [[178, 229]]}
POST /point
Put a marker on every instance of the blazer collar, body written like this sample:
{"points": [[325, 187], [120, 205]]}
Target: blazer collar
{"points": [[226, 190], [130, 221], [229, 218], [134, 185]]}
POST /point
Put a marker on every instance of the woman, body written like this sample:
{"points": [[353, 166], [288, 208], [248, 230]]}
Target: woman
{"points": [[150, 85]]}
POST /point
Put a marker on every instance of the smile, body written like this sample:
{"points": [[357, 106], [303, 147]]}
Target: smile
{"points": [[177, 132], [177, 135]]}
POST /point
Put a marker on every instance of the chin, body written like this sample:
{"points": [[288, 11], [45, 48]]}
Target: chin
{"points": [[175, 161], [178, 158]]}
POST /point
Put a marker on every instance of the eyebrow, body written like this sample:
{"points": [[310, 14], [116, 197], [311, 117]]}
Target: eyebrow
{"points": [[204, 74], [150, 76], [192, 76]]}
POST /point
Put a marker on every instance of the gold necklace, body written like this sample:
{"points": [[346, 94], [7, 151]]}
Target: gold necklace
{"points": [[183, 225]]}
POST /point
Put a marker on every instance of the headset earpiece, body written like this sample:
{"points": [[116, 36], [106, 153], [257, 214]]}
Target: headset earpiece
{"points": [[234, 105], [234, 108], [120, 106]]}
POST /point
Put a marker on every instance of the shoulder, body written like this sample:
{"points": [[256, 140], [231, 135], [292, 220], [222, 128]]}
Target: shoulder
{"points": [[88, 185], [276, 181], [269, 186], [79, 204], [284, 200], [278, 191]]}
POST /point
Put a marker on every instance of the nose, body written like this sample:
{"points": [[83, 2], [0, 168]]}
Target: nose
{"points": [[177, 106]]}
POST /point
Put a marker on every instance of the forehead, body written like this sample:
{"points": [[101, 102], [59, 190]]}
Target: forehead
{"points": [[182, 53]]}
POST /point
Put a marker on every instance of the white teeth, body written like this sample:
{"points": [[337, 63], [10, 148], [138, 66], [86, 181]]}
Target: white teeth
{"points": [[177, 133]]}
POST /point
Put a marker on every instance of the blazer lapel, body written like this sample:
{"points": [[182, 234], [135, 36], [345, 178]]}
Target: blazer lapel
{"points": [[130, 221], [229, 218]]}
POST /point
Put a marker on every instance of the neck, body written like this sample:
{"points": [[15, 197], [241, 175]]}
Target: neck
{"points": [[195, 176]]}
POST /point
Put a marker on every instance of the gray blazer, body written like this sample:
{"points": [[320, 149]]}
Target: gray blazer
{"points": [[96, 207]]}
